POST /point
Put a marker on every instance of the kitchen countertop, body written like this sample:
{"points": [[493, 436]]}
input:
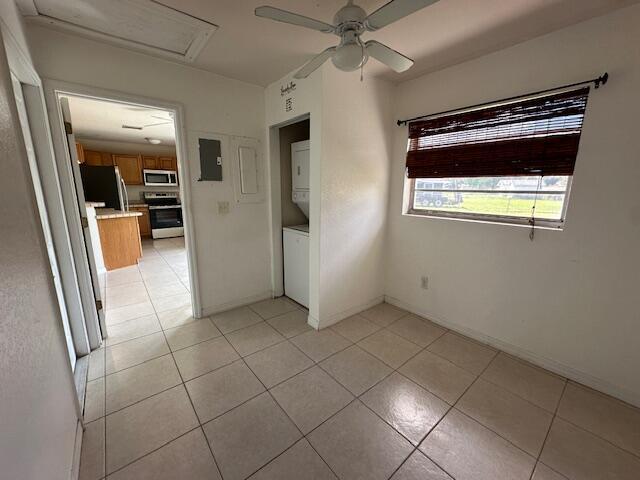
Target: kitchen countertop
{"points": [[94, 204], [106, 213], [138, 205]]}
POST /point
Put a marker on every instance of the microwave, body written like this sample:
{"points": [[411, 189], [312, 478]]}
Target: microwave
{"points": [[160, 178]]}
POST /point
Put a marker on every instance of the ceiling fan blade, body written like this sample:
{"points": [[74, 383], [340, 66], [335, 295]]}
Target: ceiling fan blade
{"points": [[314, 63], [156, 124], [293, 18], [394, 10], [388, 56]]}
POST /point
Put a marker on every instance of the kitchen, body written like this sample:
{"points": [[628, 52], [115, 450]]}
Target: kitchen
{"points": [[128, 171]]}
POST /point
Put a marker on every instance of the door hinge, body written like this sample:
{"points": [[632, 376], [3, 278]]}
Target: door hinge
{"points": [[84, 222], [68, 129], [98, 305]]}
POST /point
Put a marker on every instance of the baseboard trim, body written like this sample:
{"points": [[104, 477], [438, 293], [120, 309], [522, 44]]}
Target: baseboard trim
{"points": [[561, 369], [241, 302], [336, 317], [77, 449]]}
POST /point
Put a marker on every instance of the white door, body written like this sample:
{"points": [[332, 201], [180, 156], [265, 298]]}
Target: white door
{"points": [[90, 287], [296, 266], [44, 218], [300, 156]]}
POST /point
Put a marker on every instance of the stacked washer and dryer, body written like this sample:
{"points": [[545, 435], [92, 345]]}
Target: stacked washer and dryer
{"points": [[295, 239]]}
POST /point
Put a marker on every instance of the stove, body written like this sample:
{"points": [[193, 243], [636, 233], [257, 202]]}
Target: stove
{"points": [[165, 213]]}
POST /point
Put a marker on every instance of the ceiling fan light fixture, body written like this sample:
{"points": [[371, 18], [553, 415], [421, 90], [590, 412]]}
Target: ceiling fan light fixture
{"points": [[351, 54], [153, 141]]}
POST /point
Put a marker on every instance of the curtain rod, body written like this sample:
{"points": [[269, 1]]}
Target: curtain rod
{"points": [[601, 80]]}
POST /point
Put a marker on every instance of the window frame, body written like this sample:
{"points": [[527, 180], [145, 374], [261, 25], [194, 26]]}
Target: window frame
{"points": [[488, 218]]}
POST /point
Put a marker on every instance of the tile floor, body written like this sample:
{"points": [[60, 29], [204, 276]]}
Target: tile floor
{"points": [[255, 393]]}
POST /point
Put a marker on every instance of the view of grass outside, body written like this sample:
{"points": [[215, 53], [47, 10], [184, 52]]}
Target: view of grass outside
{"points": [[497, 196]]}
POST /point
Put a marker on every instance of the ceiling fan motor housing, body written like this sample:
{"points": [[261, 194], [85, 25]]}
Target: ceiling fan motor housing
{"points": [[350, 17]]}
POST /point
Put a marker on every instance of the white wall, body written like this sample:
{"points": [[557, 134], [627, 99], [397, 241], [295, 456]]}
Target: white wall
{"points": [[37, 408], [350, 150], [356, 147], [232, 250], [568, 300]]}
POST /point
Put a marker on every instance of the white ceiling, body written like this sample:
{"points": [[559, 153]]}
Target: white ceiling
{"points": [[97, 119], [260, 51]]}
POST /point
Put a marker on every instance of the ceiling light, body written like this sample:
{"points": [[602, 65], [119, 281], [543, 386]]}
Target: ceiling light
{"points": [[153, 141]]}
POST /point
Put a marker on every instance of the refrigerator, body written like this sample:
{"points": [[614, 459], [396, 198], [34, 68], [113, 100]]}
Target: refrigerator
{"points": [[104, 184]]}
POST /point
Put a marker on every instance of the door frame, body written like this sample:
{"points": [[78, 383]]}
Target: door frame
{"points": [[277, 254], [21, 67], [54, 89]]}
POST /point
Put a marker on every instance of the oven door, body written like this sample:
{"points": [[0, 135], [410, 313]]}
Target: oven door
{"points": [[160, 178], [165, 216]]}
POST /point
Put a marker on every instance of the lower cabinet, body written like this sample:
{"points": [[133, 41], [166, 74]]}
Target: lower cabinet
{"points": [[143, 221]]}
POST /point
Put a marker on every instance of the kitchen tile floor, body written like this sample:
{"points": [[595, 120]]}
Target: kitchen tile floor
{"points": [[256, 393]]}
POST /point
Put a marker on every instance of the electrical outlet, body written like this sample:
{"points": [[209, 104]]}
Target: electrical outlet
{"points": [[424, 282]]}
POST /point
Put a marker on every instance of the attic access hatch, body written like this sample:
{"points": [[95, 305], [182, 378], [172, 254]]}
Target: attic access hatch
{"points": [[143, 25]]}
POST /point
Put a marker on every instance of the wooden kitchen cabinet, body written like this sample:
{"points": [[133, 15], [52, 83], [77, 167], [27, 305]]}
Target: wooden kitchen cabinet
{"points": [[144, 222], [97, 159], [168, 163], [150, 162], [120, 241], [80, 152], [130, 167]]}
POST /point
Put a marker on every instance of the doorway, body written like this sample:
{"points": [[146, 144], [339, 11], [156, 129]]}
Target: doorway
{"points": [[124, 165], [290, 172]]}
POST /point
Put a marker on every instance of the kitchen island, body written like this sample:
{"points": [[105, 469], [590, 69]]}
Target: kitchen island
{"points": [[119, 237]]}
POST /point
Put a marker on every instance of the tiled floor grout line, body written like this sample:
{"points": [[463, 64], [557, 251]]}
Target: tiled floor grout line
{"points": [[184, 387], [358, 397], [546, 436], [451, 407], [302, 435]]}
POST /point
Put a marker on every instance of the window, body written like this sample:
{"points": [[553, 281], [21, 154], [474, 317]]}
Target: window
{"points": [[508, 162]]}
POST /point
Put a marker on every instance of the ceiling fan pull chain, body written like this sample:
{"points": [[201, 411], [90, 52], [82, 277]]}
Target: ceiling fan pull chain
{"points": [[362, 64]]}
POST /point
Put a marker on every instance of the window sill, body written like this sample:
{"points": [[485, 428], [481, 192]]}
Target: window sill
{"points": [[487, 219]]}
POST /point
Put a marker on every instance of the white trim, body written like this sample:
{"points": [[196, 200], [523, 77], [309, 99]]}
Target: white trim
{"points": [[52, 86], [547, 363], [275, 202], [336, 317], [223, 307], [74, 227], [74, 474], [18, 60]]}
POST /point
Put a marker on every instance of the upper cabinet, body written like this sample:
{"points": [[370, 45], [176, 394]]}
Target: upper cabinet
{"points": [[130, 167], [168, 163], [97, 159], [152, 162], [80, 152]]}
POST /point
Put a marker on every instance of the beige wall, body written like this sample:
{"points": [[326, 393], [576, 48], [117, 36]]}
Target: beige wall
{"points": [[232, 249], [568, 300], [296, 132], [37, 410]]}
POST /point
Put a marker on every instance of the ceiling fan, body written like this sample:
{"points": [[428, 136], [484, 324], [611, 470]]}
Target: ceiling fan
{"points": [[165, 122], [349, 24]]}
